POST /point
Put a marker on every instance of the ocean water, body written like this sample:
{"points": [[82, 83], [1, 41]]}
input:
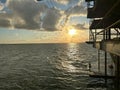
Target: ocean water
{"points": [[49, 67]]}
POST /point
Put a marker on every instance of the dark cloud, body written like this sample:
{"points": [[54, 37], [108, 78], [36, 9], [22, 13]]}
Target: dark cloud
{"points": [[5, 23], [51, 19], [80, 26], [26, 10], [5, 20]]}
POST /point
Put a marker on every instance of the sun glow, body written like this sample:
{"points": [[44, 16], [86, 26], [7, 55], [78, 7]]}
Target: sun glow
{"points": [[72, 32]]}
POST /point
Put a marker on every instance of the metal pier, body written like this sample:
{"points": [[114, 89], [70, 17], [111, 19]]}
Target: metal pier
{"points": [[104, 32]]}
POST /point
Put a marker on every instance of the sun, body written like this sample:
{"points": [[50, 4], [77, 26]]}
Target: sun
{"points": [[72, 32]]}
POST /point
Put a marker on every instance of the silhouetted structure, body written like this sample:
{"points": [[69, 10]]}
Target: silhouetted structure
{"points": [[105, 29]]}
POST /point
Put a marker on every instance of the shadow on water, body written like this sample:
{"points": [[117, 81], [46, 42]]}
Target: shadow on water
{"points": [[103, 84]]}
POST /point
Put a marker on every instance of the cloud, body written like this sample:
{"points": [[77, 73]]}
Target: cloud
{"points": [[1, 6], [51, 19], [77, 10], [81, 26], [24, 14], [66, 2], [5, 22], [31, 15]]}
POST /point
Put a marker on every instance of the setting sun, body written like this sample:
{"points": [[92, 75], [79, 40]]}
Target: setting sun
{"points": [[72, 32]]}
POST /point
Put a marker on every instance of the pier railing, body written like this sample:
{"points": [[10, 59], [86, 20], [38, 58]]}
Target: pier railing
{"points": [[104, 30]]}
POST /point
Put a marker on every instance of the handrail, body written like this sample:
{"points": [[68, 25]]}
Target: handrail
{"points": [[118, 21]]}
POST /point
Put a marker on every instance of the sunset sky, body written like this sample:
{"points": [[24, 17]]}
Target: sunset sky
{"points": [[47, 21]]}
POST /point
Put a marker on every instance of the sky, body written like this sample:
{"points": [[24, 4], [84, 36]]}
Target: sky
{"points": [[46, 21]]}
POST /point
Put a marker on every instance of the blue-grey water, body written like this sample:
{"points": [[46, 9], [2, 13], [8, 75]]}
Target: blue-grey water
{"points": [[48, 67]]}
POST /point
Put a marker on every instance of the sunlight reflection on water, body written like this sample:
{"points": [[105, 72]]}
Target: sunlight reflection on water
{"points": [[72, 51], [68, 67]]}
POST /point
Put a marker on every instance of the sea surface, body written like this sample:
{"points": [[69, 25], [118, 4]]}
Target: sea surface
{"points": [[50, 67]]}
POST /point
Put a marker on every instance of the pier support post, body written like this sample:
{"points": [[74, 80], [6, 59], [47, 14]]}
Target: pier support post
{"points": [[98, 60], [105, 67], [109, 34], [118, 73]]}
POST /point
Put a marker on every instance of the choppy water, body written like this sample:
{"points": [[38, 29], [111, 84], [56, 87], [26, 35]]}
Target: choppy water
{"points": [[48, 67]]}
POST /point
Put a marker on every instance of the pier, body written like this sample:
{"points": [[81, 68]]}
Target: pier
{"points": [[104, 32]]}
